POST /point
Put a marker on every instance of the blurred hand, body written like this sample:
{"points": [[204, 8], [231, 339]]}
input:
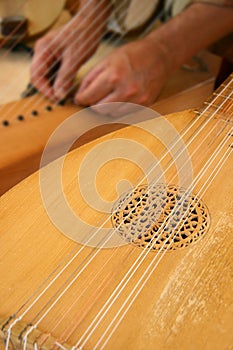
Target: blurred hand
{"points": [[133, 73], [67, 49]]}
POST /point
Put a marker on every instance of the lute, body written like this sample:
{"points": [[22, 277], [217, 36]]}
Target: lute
{"points": [[165, 280]]}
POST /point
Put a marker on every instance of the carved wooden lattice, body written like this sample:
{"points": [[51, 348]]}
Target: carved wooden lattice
{"points": [[160, 217]]}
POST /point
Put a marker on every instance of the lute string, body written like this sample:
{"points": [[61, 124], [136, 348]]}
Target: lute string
{"points": [[197, 254], [221, 163], [114, 43], [52, 78], [113, 300], [113, 34], [94, 321], [15, 106], [81, 314], [162, 13], [205, 186], [53, 65], [8, 37], [71, 88], [196, 150], [11, 46], [14, 324], [208, 182]]}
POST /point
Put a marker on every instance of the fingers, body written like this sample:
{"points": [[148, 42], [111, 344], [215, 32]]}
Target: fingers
{"points": [[105, 106], [97, 89], [52, 79], [115, 109], [117, 78], [65, 75], [90, 77], [40, 68], [124, 106]]}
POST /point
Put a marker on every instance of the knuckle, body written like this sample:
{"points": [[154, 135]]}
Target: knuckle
{"points": [[70, 63], [131, 91], [144, 99], [114, 78], [82, 100]]}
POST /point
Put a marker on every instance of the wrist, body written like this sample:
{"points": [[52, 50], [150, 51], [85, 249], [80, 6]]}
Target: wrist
{"points": [[159, 55]]}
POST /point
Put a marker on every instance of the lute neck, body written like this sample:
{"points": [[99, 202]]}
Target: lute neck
{"points": [[220, 105]]}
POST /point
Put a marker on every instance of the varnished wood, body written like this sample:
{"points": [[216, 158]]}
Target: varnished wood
{"points": [[186, 303], [22, 142]]}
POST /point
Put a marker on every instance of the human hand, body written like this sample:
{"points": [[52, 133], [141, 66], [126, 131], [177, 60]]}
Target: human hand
{"points": [[66, 50], [133, 73]]}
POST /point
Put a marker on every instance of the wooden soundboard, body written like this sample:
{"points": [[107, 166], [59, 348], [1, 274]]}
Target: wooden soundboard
{"points": [[163, 288]]}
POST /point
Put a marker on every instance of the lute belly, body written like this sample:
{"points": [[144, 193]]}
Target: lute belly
{"points": [[168, 285]]}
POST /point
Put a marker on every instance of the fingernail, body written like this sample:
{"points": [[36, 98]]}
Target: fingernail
{"points": [[60, 93], [50, 95]]}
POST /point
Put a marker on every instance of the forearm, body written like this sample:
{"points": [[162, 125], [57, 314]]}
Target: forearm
{"points": [[194, 29]]}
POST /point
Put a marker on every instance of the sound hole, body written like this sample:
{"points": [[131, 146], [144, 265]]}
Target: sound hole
{"points": [[160, 217]]}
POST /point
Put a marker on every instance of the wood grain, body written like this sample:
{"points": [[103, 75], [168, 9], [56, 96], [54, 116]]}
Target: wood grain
{"points": [[187, 301], [22, 142]]}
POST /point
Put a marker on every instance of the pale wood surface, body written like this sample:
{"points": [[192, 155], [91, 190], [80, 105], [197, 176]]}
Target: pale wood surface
{"points": [[187, 302], [22, 142]]}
